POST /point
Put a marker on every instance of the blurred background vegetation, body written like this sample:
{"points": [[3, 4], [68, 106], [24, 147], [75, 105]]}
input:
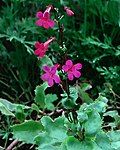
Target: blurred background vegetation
{"points": [[92, 36]]}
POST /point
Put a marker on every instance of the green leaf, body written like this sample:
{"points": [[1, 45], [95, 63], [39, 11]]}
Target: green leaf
{"points": [[84, 96], [64, 3], [45, 61], [82, 116], [27, 131], [49, 147], [40, 95], [70, 101], [54, 134], [96, 42], [116, 145], [3, 35], [35, 107], [20, 115], [102, 99], [93, 124], [116, 117], [55, 128], [11, 106], [74, 144], [29, 49], [73, 94], [86, 86], [103, 141], [114, 135], [8, 108], [49, 98], [90, 119], [7, 104], [113, 113], [4, 110], [100, 104], [115, 139]]}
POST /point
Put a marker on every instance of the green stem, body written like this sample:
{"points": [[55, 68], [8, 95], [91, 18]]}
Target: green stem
{"points": [[60, 34], [67, 87]]}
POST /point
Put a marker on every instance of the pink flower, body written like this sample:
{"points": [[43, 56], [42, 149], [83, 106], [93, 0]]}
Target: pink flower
{"points": [[72, 70], [68, 11], [41, 48], [50, 75], [44, 18]]}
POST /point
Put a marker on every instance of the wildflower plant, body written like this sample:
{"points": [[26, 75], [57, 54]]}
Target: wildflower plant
{"points": [[67, 117]]}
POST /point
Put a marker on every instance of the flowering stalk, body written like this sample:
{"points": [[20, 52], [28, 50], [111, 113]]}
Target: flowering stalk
{"points": [[72, 71]]}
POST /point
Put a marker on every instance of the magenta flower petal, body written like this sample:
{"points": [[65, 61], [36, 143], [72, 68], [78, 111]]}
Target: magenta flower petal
{"points": [[50, 82], [65, 68], [70, 76], [40, 49], [78, 66], [37, 44], [45, 77], [46, 68], [39, 14], [39, 23], [56, 79], [51, 23], [77, 74], [45, 24], [46, 15], [41, 54], [53, 70], [69, 63], [37, 52]]}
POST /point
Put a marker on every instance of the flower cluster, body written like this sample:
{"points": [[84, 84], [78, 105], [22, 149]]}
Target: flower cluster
{"points": [[50, 76], [50, 72]]}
